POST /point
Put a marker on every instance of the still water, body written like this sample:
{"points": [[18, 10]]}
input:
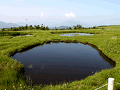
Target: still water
{"points": [[75, 34], [59, 62]]}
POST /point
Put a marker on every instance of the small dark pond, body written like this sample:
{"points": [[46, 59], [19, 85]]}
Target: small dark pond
{"points": [[75, 34], [59, 62]]}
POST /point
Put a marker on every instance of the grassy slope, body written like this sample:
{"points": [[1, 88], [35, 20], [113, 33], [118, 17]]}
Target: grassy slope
{"points": [[108, 41]]}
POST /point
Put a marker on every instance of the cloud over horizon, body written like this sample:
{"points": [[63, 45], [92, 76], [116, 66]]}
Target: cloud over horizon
{"points": [[17, 0], [42, 14], [61, 10], [70, 15]]}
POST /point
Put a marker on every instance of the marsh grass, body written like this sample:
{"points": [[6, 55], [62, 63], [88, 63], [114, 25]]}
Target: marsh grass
{"points": [[11, 71]]}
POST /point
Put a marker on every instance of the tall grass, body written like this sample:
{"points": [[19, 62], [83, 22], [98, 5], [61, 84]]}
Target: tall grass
{"points": [[11, 71]]}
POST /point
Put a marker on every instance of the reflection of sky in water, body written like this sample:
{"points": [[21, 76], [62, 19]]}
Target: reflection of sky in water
{"points": [[75, 34], [21, 35], [42, 67], [28, 65], [28, 35], [60, 61]]}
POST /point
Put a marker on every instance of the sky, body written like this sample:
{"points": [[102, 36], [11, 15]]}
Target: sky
{"points": [[53, 11]]}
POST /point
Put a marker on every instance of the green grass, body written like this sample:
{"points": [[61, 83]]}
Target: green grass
{"points": [[11, 71]]}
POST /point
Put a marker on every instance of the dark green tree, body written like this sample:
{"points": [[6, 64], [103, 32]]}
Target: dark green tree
{"points": [[47, 28], [37, 27], [44, 28], [55, 28], [26, 27], [30, 27], [20, 28], [94, 27], [8, 29], [78, 26], [15, 29], [23, 28], [3, 29], [11, 29], [70, 28], [75, 27]]}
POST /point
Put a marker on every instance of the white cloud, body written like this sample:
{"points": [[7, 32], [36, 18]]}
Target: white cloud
{"points": [[42, 14], [17, 0], [18, 16], [70, 15]]}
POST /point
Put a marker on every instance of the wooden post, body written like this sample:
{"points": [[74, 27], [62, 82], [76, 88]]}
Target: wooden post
{"points": [[110, 83]]}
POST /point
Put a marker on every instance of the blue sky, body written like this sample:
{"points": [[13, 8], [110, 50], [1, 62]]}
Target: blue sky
{"points": [[89, 11]]}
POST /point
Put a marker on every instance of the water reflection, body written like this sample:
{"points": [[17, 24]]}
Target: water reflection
{"points": [[75, 34], [62, 62], [22, 35]]}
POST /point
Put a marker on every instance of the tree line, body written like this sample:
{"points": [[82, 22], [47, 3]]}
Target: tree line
{"points": [[38, 27], [20, 28]]}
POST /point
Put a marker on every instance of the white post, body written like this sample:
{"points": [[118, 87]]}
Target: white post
{"points": [[110, 83]]}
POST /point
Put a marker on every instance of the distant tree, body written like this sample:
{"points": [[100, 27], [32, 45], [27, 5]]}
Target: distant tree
{"points": [[94, 27], [20, 28], [75, 27], [55, 28], [44, 28], [3, 29], [26, 27], [11, 29], [37, 27], [78, 26], [30, 27], [70, 28], [23, 28], [8, 29], [15, 29], [47, 28]]}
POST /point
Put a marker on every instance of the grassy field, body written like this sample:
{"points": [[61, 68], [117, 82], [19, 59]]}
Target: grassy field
{"points": [[11, 71]]}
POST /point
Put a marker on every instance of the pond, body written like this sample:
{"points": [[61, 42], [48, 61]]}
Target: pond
{"points": [[22, 35], [75, 34], [62, 62]]}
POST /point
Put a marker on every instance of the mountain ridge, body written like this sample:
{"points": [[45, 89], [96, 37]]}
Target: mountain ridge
{"points": [[68, 23], [8, 25]]}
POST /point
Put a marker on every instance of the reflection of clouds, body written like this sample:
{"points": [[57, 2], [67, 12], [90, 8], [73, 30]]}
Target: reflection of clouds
{"points": [[75, 34]]}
